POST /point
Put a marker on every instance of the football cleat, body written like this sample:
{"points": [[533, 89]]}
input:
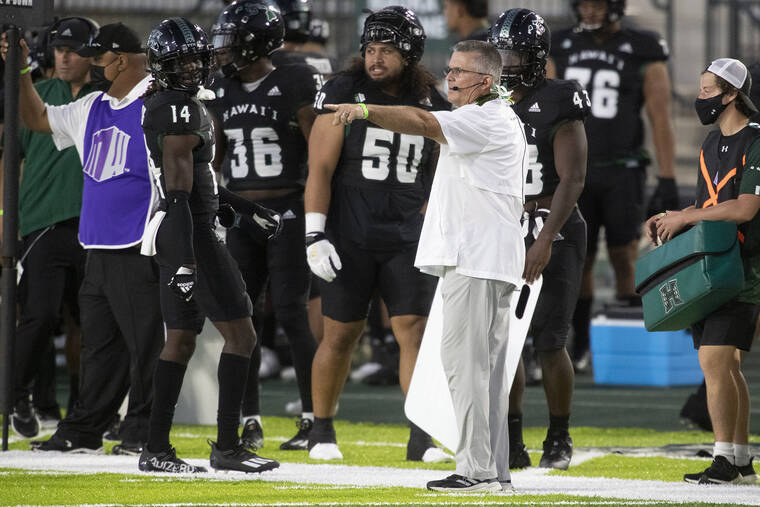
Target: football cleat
{"points": [[558, 450], [166, 461], [127, 449], [460, 484], [61, 444], [519, 457], [720, 471], [240, 459], [325, 451], [300, 442], [23, 419], [253, 434], [747, 473]]}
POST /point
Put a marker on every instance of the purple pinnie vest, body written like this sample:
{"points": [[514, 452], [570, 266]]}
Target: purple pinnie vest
{"points": [[117, 193]]}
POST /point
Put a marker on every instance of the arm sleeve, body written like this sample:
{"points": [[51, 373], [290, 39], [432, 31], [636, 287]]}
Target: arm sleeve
{"points": [[464, 129], [750, 183], [68, 122]]}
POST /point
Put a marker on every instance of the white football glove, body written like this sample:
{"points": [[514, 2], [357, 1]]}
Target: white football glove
{"points": [[322, 257]]}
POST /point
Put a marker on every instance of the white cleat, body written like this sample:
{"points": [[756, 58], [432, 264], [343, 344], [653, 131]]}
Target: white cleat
{"points": [[437, 455], [325, 452]]}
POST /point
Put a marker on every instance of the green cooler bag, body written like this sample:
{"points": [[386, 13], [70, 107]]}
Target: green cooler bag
{"points": [[685, 279]]}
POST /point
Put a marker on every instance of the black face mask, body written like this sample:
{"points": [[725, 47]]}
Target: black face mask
{"points": [[98, 77], [708, 110]]}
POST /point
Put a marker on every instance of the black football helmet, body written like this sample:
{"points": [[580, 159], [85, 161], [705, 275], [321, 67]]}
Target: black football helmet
{"points": [[319, 31], [397, 26], [524, 32], [179, 55], [615, 12], [250, 30], [297, 16]]}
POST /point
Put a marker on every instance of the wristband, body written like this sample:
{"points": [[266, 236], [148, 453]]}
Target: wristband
{"points": [[25, 70], [364, 108], [315, 222]]}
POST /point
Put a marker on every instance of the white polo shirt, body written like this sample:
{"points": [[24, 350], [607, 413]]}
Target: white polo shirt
{"points": [[472, 220]]}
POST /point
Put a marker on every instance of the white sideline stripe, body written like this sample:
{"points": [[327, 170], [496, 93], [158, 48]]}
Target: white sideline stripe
{"points": [[533, 481]]}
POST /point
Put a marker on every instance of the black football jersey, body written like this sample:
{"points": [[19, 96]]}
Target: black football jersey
{"points": [[170, 112], [543, 110], [379, 184], [265, 146], [613, 75], [324, 65]]}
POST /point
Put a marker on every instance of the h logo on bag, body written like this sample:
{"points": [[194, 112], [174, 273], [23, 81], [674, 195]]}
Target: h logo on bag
{"points": [[108, 154], [670, 295]]}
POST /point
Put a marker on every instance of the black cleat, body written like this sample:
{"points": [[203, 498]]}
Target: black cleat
{"points": [[61, 444], [300, 442], [558, 450], [23, 419], [253, 434], [518, 457], [748, 474], [720, 471], [127, 449], [461, 484], [239, 458], [166, 461], [112, 432]]}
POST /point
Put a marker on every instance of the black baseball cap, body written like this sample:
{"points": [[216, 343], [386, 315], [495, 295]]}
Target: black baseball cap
{"points": [[71, 32], [116, 37]]}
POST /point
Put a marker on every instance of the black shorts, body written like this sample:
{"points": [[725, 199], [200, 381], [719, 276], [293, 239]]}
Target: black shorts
{"points": [[220, 292], [613, 198], [281, 261], [731, 324], [562, 277], [403, 288]]}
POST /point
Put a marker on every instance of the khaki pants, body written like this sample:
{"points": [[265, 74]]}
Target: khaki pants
{"points": [[473, 352]]}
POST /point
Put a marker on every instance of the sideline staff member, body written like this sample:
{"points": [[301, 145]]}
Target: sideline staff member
{"points": [[476, 194], [728, 189]]}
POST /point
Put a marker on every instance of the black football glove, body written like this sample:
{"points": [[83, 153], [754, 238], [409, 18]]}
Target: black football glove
{"points": [[183, 283], [263, 224], [665, 197]]}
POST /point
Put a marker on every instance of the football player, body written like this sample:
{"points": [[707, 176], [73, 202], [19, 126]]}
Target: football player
{"points": [[198, 276], [553, 112], [365, 196], [298, 30], [263, 116], [623, 70]]}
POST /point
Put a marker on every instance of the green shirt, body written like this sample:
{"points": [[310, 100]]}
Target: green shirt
{"points": [[51, 182], [750, 184]]}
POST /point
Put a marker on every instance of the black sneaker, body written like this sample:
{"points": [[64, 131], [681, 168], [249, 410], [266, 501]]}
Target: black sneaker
{"points": [[62, 444], [300, 442], [720, 471], [461, 484], [747, 473], [253, 434], [112, 432], [558, 450], [166, 461], [127, 449], [518, 457], [23, 419], [239, 458]]}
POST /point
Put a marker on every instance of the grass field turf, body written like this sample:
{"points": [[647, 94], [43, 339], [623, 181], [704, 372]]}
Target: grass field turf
{"points": [[363, 444]]}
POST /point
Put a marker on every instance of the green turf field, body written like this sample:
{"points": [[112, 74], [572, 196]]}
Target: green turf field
{"points": [[611, 462]]}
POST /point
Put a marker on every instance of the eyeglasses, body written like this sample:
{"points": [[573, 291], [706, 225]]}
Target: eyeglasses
{"points": [[458, 71]]}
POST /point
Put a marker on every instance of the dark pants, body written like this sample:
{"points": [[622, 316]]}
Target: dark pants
{"points": [[53, 263], [122, 336]]}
